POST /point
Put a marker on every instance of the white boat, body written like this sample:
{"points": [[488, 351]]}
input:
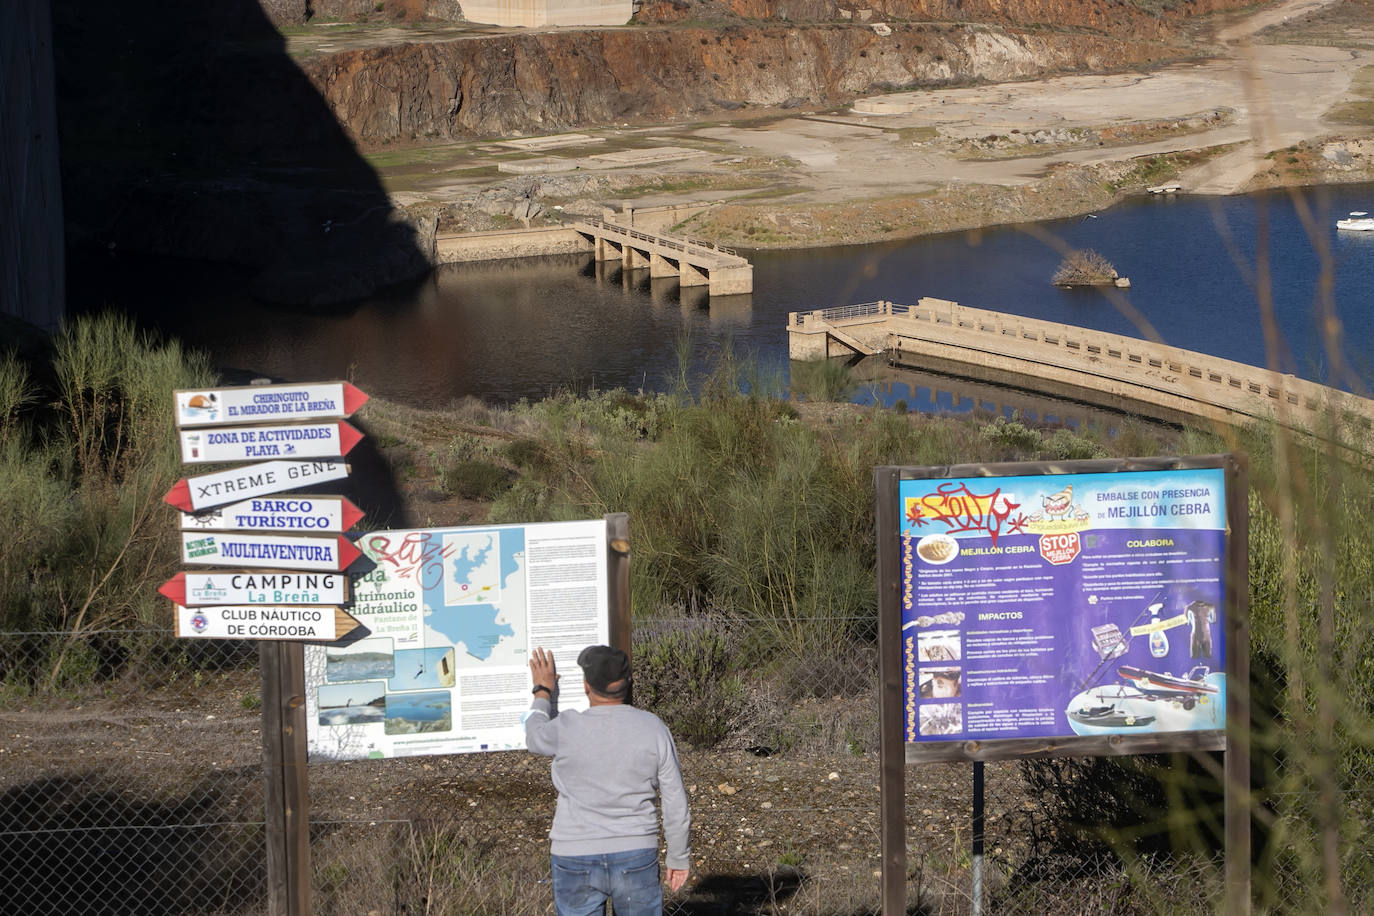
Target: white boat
{"points": [[1358, 221]]}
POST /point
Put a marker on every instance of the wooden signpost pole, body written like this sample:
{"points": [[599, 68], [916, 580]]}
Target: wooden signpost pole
{"points": [[618, 578], [286, 797], [891, 747], [1237, 757], [213, 431], [285, 794]]}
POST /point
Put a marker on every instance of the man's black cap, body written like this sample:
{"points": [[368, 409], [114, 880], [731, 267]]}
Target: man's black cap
{"points": [[602, 666]]}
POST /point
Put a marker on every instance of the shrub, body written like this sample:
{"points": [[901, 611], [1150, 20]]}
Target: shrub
{"points": [[82, 484], [1084, 268], [1067, 445], [475, 479], [687, 676], [822, 380], [1011, 440]]}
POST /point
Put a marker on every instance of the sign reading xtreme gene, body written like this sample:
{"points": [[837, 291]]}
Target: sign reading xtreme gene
{"points": [[1055, 605]]}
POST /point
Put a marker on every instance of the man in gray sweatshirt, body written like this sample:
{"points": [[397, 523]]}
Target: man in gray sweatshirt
{"points": [[609, 761]]}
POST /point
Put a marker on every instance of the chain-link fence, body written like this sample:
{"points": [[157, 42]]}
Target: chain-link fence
{"points": [[131, 783]]}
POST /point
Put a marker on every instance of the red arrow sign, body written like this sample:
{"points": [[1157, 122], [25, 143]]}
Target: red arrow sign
{"points": [[353, 398], [175, 588], [348, 436], [351, 514], [179, 495]]}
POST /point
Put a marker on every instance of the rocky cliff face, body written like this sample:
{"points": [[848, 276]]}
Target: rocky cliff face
{"points": [[188, 130], [543, 82], [1128, 19]]}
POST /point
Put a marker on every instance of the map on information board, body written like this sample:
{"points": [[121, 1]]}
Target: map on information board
{"points": [[453, 614]]}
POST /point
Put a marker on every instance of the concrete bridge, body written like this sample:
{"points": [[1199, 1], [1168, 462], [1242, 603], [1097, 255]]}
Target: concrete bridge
{"points": [[694, 263], [1100, 368]]}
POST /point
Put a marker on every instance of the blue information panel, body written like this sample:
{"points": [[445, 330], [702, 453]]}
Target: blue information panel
{"points": [[1057, 605]]}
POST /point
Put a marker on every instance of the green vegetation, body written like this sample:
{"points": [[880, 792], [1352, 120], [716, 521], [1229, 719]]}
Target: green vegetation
{"points": [[822, 380], [1358, 112], [85, 456], [1148, 170], [917, 134], [752, 525]]}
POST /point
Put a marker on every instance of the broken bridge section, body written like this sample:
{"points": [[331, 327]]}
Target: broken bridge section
{"points": [[1124, 373]]}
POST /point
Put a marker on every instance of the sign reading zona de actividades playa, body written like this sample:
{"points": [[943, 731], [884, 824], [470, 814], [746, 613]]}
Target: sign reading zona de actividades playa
{"points": [[254, 443]]}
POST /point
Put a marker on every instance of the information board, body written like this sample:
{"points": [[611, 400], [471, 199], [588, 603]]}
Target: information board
{"points": [[1056, 605], [453, 615]]}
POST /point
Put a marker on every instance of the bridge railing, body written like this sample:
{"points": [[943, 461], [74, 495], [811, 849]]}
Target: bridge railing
{"points": [[662, 241], [877, 309]]}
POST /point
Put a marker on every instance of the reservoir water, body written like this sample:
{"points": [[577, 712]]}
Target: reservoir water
{"points": [[1200, 269]]}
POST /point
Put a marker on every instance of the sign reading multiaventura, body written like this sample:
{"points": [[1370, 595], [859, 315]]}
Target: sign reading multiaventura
{"points": [[1054, 605], [452, 615]]}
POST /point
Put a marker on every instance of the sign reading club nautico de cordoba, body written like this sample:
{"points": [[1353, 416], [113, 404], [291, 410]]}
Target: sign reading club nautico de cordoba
{"points": [[323, 624]]}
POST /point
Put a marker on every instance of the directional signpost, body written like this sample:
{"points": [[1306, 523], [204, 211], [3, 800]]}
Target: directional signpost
{"points": [[231, 548], [243, 517], [256, 403], [258, 621], [191, 589], [252, 443], [306, 514], [191, 494]]}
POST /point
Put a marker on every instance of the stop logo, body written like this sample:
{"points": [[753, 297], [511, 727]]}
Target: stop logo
{"points": [[1059, 548]]}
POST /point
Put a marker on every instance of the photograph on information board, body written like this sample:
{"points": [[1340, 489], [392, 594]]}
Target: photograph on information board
{"points": [[1058, 605], [453, 614]]}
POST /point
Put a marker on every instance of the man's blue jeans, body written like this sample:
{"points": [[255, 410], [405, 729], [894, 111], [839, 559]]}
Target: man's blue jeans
{"points": [[583, 884]]}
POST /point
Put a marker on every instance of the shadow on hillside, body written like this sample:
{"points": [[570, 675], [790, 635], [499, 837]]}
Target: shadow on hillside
{"points": [[720, 894], [731, 895], [187, 131], [72, 845]]}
